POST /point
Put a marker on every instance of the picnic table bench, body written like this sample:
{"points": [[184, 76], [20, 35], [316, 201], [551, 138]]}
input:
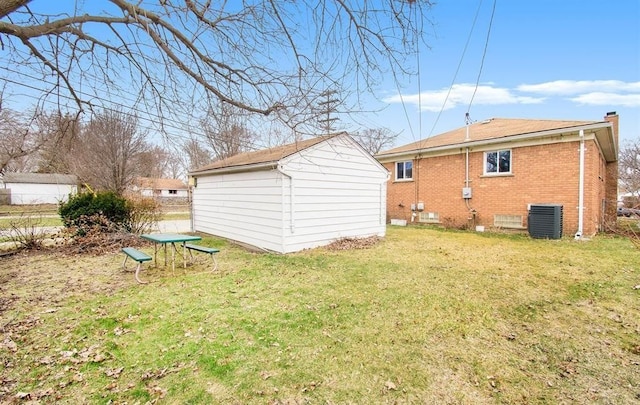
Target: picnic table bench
{"points": [[138, 256], [204, 249]]}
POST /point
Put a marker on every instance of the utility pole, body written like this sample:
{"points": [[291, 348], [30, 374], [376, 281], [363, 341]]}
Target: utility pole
{"points": [[326, 108]]}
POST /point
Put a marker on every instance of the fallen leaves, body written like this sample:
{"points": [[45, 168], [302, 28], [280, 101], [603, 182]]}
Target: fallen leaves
{"points": [[89, 354], [113, 372], [157, 374], [9, 344], [390, 386], [354, 243]]}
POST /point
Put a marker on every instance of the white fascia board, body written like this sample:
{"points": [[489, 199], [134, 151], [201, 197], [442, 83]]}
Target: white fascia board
{"points": [[236, 169]]}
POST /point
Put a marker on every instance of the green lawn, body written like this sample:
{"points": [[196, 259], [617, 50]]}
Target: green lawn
{"points": [[426, 316], [26, 218]]}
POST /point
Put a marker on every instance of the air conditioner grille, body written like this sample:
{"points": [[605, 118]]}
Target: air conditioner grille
{"points": [[545, 221]]}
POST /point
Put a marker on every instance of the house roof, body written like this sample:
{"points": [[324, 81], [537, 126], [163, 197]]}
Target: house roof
{"points": [[159, 184], [40, 178], [264, 156], [496, 130]]}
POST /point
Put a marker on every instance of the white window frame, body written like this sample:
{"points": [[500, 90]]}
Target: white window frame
{"points": [[404, 170], [497, 172]]}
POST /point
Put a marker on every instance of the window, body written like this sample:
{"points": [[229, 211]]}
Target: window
{"points": [[497, 162], [173, 191], [508, 221], [404, 170], [429, 217]]}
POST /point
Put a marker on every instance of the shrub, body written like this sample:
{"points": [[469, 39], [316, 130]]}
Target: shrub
{"points": [[27, 231], [144, 214], [105, 210]]}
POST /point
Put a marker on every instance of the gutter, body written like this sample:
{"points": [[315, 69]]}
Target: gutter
{"points": [[235, 169]]}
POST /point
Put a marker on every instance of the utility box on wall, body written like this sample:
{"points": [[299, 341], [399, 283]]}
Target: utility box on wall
{"points": [[545, 221]]}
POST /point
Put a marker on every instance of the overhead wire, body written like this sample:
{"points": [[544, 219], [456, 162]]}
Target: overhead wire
{"points": [[182, 132], [484, 54], [455, 75]]}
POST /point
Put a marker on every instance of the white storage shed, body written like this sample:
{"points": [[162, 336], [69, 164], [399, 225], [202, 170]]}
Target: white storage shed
{"points": [[40, 188], [298, 196]]}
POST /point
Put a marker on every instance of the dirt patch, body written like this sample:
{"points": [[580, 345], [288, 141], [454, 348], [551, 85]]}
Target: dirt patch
{"points": [[32, 281], [354, 243]]}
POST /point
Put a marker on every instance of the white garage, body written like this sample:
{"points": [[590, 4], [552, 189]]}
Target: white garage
{"points": [[40, 188], [298, 196]]}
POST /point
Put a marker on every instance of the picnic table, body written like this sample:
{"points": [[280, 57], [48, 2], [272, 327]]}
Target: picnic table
{"points": [[165, 239]]}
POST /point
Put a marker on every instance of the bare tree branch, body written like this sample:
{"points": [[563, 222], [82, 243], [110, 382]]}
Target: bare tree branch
{"points": [[171, 58]]}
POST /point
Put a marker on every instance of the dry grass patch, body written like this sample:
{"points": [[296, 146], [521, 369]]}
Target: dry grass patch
{"points": [[423, 316]]}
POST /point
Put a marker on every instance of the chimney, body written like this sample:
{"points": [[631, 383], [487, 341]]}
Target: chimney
{"points": [[612, 117]]}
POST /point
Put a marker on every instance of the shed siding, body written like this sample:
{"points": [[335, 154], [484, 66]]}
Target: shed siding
{"points": [[319, 194], [338, 192], [245, 207], [29, 193]]}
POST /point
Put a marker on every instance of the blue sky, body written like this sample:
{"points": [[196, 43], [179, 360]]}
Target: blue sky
{"points": [[545, 59]]}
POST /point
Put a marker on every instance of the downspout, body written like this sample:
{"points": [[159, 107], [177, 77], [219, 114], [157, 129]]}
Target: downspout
{"points": [[291, 199], [416, 173], [581, 189]]}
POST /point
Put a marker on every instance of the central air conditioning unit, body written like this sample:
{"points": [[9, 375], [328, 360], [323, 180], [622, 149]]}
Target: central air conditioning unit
{"points": [[545, 221]]}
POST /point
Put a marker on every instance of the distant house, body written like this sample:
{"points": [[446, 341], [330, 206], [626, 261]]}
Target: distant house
{"points": [[166, 190], [491, 173], [39, 188], [293, 197]]}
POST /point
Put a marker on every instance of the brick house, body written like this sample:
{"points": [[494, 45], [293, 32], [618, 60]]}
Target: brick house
{"points": [[489, 174]]}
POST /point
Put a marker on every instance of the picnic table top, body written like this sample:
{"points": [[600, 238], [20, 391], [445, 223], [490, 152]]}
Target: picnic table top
{"points": [[169, 237]]}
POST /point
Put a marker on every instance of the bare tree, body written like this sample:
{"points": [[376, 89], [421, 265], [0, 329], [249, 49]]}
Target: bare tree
{"points": [[629, 169], [154, 162], [15, 138], [373, 140], [196, 155], [34, 141], [109, 150], [57, 137], [168, 58], [226, 131]]}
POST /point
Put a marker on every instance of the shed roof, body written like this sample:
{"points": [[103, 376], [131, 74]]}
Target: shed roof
{"points": [[160, 184], [494, 129], [265, 156], [41, 178]]}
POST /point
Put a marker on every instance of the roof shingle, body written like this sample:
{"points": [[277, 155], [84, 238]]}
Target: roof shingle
{"points": [[494, 128], [265, 155]]}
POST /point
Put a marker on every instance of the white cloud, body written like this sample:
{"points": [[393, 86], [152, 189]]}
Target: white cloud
{"points": [[461, 94], [584, 92], [609, 99], [573, 87]]}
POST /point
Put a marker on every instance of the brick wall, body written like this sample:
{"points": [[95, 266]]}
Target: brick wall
{"points": [[540, 174]]}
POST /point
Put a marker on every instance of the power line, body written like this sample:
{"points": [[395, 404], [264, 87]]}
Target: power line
{"points": [[484, 54], [183, 132], [455, 76]]}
